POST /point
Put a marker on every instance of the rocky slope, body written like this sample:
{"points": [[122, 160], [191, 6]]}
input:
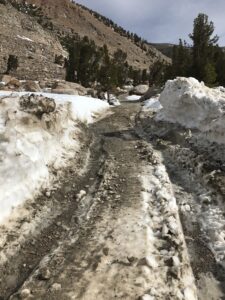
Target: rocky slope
{"points": [[31, 30], [71, 17], [26, 48]]}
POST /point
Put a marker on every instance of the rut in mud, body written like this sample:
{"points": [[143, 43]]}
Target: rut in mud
{"points": [[107, 232]]}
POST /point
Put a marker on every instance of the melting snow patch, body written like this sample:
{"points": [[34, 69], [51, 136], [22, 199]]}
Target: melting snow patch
{"points": [[24, 38], [133, 98], [152, 104]]}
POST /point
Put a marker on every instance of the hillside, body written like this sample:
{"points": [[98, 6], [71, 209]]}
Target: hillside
{"points": [[72, 18], [165, 48], [26, 49], [32, 30]]}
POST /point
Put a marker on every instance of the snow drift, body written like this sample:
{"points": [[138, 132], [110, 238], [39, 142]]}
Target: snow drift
{"points": [[36, 135], [190, 103]]}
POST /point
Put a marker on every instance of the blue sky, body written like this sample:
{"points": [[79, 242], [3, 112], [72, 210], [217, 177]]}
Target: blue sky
{"points": [[161, 20]]}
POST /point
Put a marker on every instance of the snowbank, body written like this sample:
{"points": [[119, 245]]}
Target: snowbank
{"points": [[82, 108], [190, 103], [30, 145]]}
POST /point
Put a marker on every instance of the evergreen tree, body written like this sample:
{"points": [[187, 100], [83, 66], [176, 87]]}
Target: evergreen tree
{"points": [[181, 59], [219, 57], [106, 76], [144, 76], [120, 67], [210, 75], [136, 76], [157, 73], [203, 43]]}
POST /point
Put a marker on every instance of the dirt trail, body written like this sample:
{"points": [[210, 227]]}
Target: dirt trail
{"points": [[111, 231]]}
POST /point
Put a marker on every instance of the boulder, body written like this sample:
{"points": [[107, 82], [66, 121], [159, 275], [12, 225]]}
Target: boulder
{"points": [[64, 91], [152, 92], [120, 91], [140, 89], [71, 88], [13, 83], [37, 105], [128, 88], [31, 86], [102, 95], [93, 93], [6, 79]]}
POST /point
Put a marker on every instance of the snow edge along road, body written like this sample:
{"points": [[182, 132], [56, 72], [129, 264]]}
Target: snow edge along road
{"points": [[172, 270]]}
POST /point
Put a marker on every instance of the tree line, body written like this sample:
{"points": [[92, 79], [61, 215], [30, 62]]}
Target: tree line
{"points": [[204, 59], [89, 65]]}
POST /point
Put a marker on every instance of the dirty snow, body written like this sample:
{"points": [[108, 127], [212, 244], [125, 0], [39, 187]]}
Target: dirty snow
{"points": [[152, 104], [163, 223], [30, 146], [190, 103]]}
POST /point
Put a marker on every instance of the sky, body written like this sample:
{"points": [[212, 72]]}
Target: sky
{"points": [[161, 20]]}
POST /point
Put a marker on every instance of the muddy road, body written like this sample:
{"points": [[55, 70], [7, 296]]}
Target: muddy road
{"points": [[111, 227]]}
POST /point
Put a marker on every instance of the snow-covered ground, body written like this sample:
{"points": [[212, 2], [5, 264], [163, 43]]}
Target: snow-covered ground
{"points": [[190, 103], [30, 145]]}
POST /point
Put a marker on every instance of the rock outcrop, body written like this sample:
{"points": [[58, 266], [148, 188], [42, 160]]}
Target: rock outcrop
{"points": [[70, 88]]}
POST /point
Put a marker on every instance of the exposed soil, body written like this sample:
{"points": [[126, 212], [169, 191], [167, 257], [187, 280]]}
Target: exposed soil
{"points": [[90, 239]]}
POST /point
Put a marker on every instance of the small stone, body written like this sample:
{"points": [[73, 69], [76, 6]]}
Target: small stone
{"points": [[56, 287], [165, 230], [132, 259], [187, 207], [81, 195], [25, 293], [176, 261], [48, 194], [151, 262], [105, 251], [140, 281], [44, 274]]}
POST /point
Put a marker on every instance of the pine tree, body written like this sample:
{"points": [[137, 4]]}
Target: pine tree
{"points": [[105, 73], [120, 67], [203, 43], [157, 73], [144, 76], [219, 57], [181, 60], [210, 75]]}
